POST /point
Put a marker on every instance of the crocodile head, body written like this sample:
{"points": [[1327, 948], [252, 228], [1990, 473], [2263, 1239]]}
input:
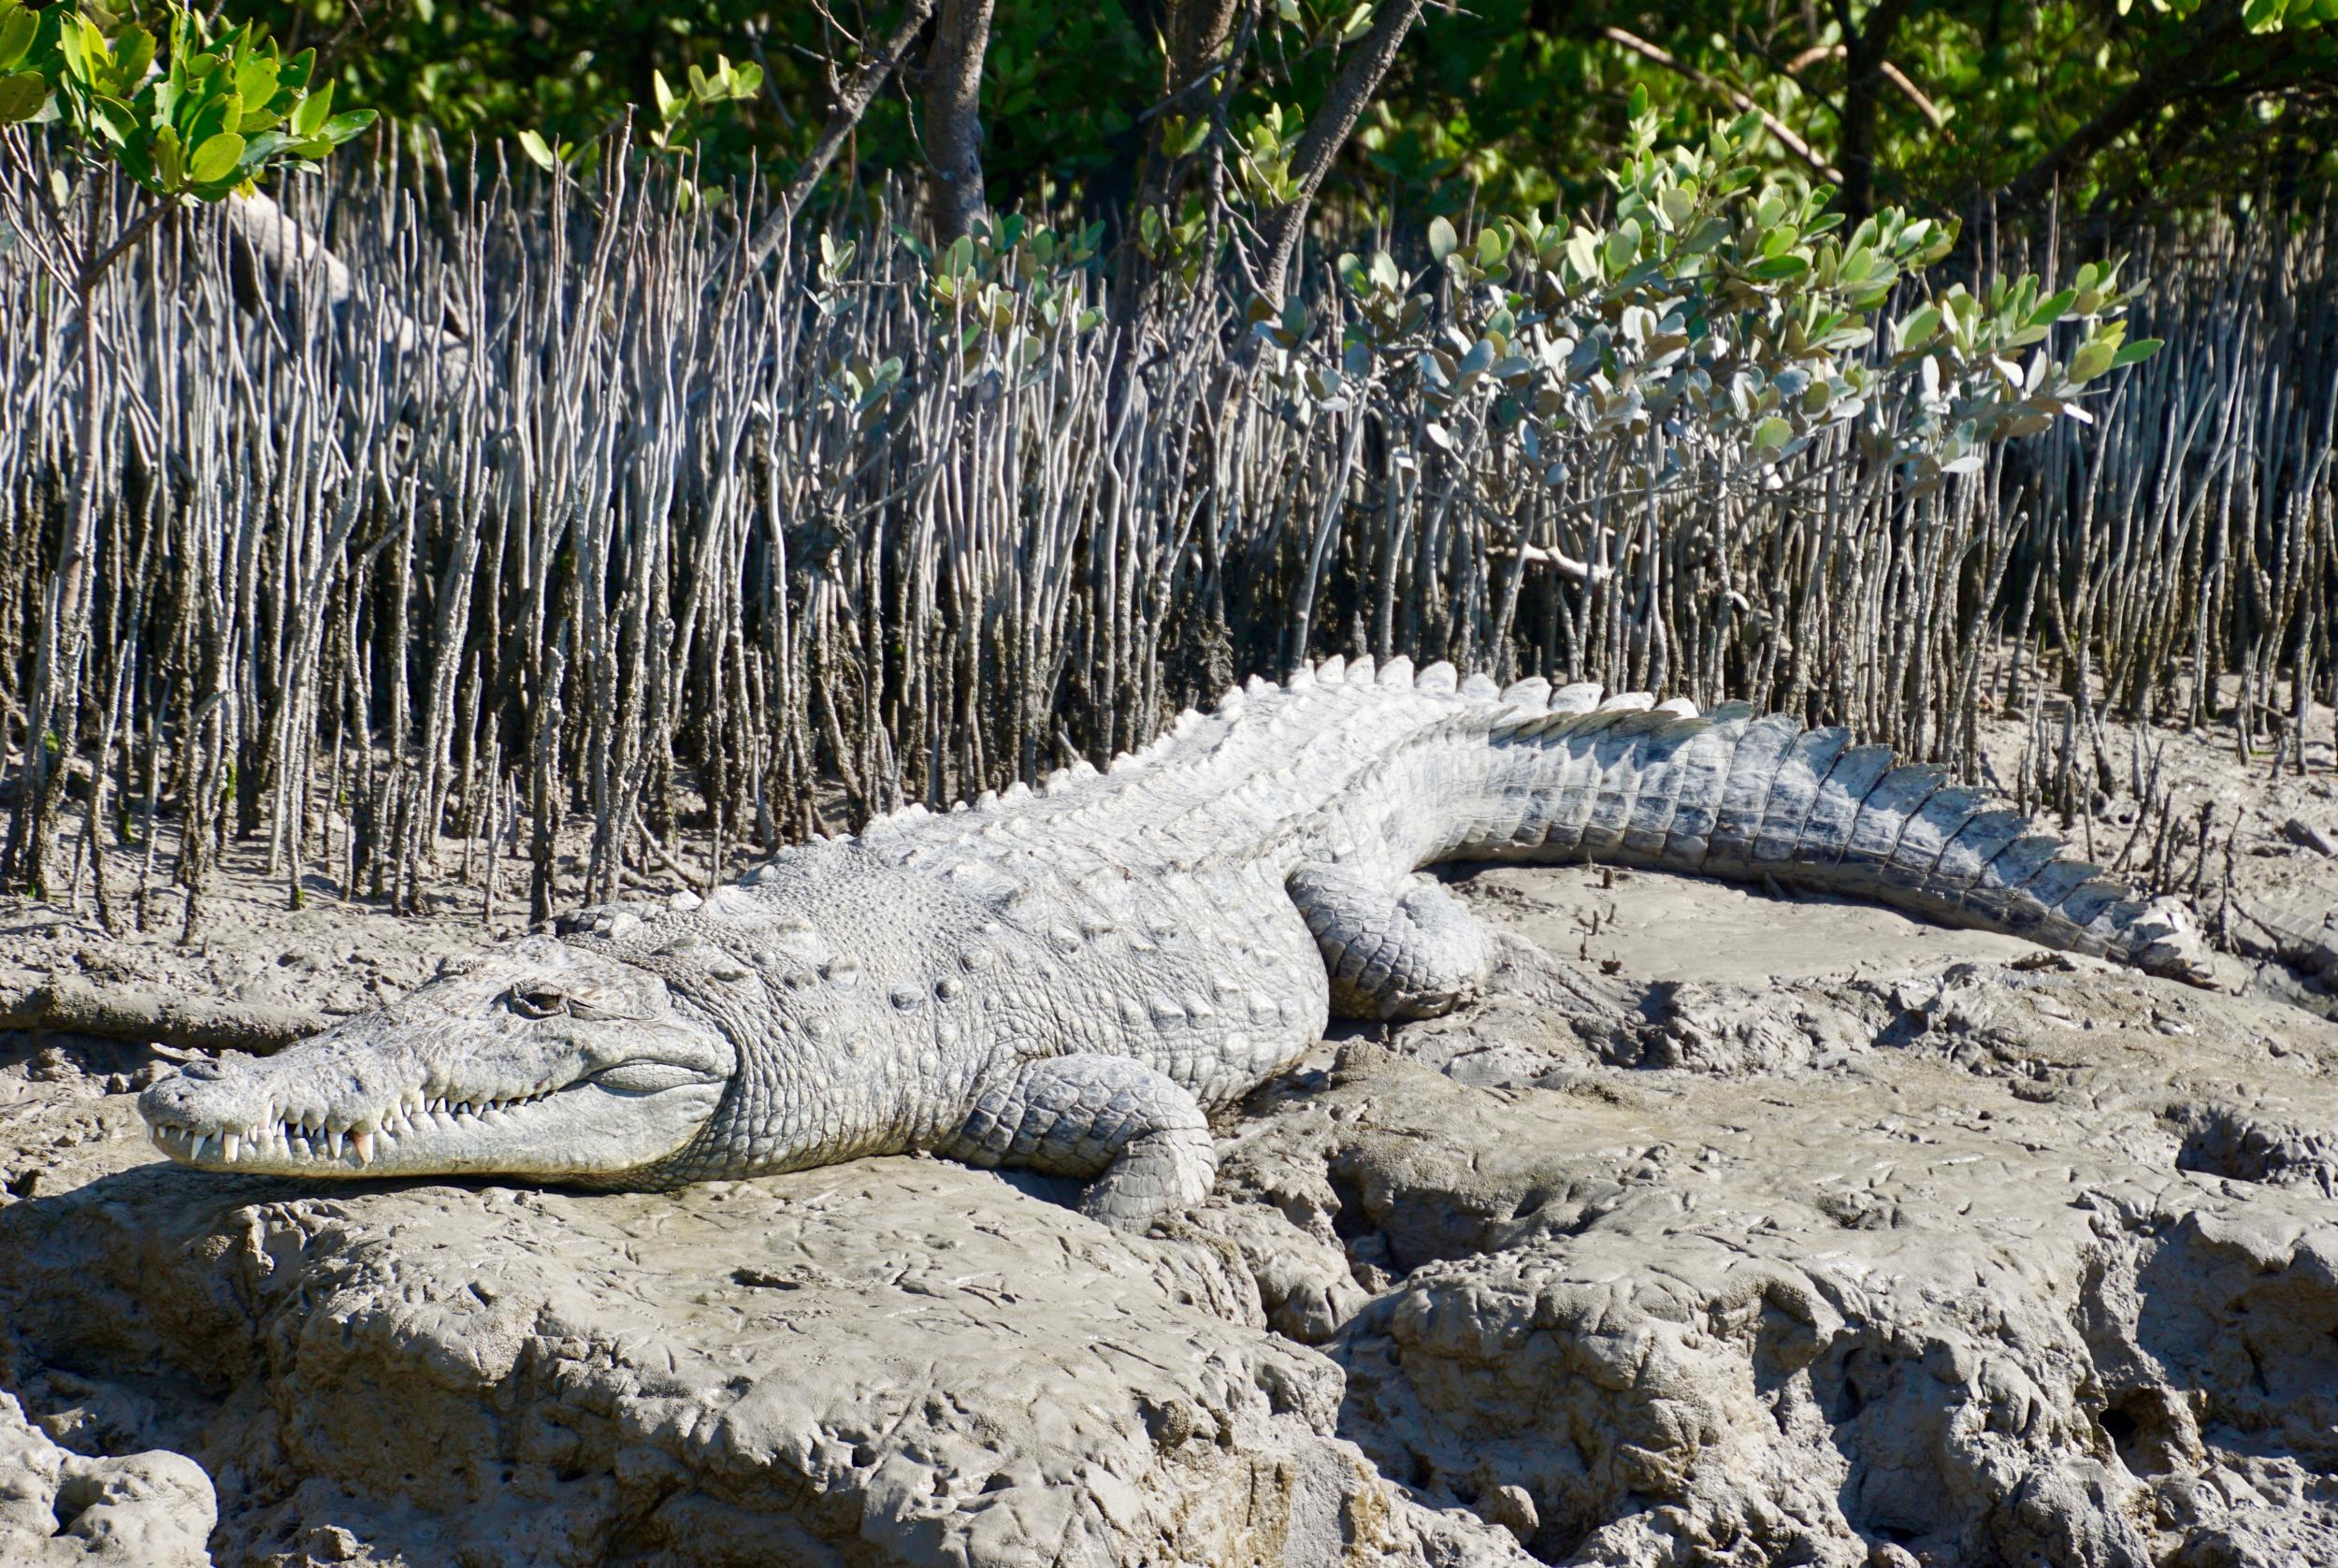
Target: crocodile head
{"points": [[538, 1060]]}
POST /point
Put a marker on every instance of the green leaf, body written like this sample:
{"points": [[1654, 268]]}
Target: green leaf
{"points": [[22, 95], [82, 44], [532, 143], [215, 159], [310, 116], [16, 36], [258, 150], [134, 56], [666, 100], [1584, 252], [1771, 434], [344, 127], [2131, 353], [1779, 268], [1709, 233], [1622, 247], [2050, 311], [2090, 361], [206, 114], [1443, 241], [170, 164], [115, 122], [255, 79]]}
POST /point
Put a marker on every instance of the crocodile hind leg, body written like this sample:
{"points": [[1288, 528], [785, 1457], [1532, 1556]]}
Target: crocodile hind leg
{"points": [[1139, 1141], [1403, 951]]}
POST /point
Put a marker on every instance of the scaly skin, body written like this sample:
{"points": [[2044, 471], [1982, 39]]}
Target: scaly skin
{"points": [[1071, 979]]}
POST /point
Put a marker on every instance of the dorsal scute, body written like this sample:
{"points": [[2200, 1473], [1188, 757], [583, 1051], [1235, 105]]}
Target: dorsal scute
{"points": [[1628, 702], [1396, 671], [1579, 697], [1679, 706], [1533, 691], [1360, 670], [1438, 677], [1481, 686], [1333, 671]]}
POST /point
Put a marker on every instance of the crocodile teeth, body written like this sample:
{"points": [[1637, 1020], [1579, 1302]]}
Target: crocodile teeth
{"points": [[363, 1143], [334, 1142], [202, 1141], [230, 1145]]}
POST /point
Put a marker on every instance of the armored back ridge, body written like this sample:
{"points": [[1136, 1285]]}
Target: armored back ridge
{"points": [[1071, 977]]}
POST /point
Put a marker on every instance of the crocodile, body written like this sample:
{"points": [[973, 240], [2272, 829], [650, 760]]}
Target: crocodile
{"points": [[1071, 978]]}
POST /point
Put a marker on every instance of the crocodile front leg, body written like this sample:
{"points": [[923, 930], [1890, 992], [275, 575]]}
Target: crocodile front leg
{"points": [[1139, 1141], [1402, 951]]}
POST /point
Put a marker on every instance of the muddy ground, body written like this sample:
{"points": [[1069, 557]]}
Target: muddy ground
{"points": [[1731, 1228]]}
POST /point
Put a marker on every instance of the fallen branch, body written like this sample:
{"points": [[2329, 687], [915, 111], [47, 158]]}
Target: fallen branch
{"points": [[151, 1018], [1564, 564]]}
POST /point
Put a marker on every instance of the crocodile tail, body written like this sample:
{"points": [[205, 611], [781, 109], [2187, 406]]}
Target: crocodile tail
{"points": [[1627, 781]]}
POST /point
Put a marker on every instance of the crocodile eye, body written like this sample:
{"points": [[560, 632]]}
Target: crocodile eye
{"points": [[537, 1001]]}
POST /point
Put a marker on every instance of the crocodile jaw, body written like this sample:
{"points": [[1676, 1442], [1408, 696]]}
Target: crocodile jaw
{"points": [[538, 1061]]}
